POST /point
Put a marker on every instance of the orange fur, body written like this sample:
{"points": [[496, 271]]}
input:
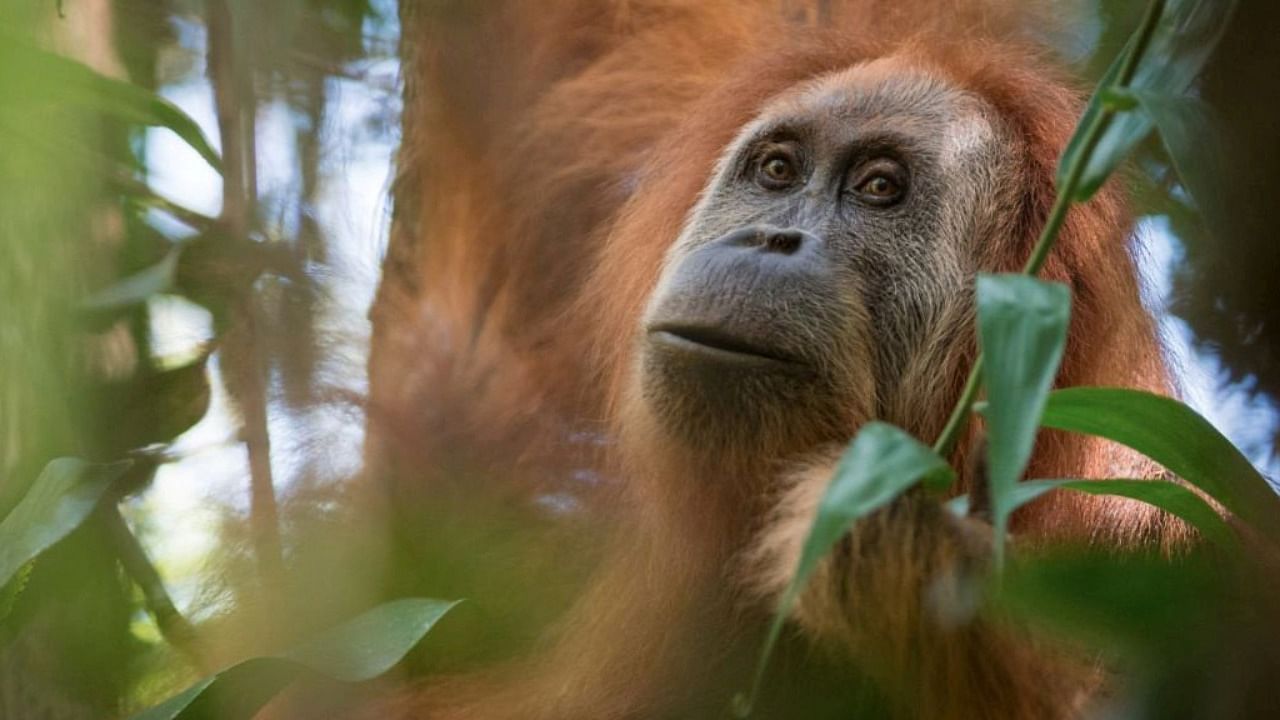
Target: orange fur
{"points": [[551, 153]]}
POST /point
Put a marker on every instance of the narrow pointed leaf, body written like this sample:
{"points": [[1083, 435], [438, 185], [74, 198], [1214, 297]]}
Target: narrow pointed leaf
{"points": [[882, 462], [64, 495], [1175, 436], [1022, 325], [360, 649], [1183, 40], [1102, 100], [1188, 132], [52, 78], [1143, 604], [136, 288], [1175, 499]]}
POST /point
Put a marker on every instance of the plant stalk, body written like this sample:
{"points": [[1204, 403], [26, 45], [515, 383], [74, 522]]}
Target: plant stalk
{"points": [[133, 558], [1058, 213]]}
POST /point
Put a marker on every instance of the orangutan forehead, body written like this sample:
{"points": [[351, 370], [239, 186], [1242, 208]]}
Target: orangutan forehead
{"points": [[883, 97]]}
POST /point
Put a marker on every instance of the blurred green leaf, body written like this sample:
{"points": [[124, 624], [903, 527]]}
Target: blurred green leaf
{"points": [[66, 493], [360, 649], [882, 462], [1183, 39], [53, 78], [10, 591], [1171, 497], [1144, 604], [1175, 436], [154, 406], [136, 288], [139, 192], [959, 506], [1022, 325], [1191, 138]]}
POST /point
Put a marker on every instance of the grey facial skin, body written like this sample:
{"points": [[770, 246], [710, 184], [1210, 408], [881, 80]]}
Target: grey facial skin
{"points": [[839, 230]]}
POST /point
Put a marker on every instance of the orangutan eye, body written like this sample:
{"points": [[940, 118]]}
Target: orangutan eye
{"points": [[778, 170], [881, 183], [880, 187]]}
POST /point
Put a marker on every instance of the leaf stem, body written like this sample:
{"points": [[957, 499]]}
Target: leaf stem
{"points": [[1058, 213], [172, 624], [960, 413]]}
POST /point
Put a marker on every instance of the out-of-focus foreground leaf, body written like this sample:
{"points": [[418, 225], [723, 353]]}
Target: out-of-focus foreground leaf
{"points": [[1175, 436], [51, 78], [9, 593], [66, 493], [360, 649], [882, 462], [160, 405], [136, 288], [1145, 605], [1022, 324], [1183, 39]]}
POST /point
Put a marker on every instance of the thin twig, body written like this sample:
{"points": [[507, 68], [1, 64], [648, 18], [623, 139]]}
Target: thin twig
{"points": [[175, 628], [960, 413], [129, 185], [245, 365]]}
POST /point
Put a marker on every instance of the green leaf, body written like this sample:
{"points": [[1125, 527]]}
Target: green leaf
{"points": [[1187, 129], [1171, 497], [360, 649], [66, 493], [174, 706], [1144, 604], [1103, 99], [882, 462], [136, 288], [10, 591], [1022, 325], [52, 78], [154, 406], [1182, 42], [1175, 436]]}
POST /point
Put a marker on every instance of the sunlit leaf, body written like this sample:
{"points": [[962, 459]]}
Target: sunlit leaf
{"points": [[360, 649], [57, 79], [64, 495], [1022, 325], [1175, 436], [1182, 42], [1171, 497], [882, 462]]}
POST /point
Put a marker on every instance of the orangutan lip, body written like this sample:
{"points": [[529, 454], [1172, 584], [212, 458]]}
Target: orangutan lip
{"points": [[713, 341]]}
